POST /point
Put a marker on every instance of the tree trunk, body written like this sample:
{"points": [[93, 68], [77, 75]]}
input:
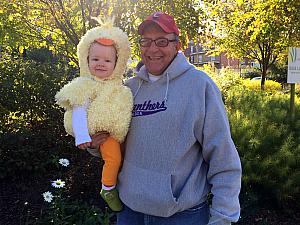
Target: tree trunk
{"points": [[263, 76]]}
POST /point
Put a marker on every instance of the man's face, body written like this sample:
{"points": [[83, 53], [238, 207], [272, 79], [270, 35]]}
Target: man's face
{"points": [[102, 60], [157, 59]]}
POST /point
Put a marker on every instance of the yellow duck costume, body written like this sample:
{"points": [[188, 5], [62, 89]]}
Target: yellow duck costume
{"points": [[110, 101]]}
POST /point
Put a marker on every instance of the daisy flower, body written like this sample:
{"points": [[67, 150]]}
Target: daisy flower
{"points": [[64, 162], [48, 196], [58, 183]]}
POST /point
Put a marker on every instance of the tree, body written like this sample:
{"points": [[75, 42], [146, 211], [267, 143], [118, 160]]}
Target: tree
{"points": [[256, 29], [59, 24]]}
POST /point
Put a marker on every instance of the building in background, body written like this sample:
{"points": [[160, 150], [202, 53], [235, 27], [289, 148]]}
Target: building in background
{"points": [[198, 56]]}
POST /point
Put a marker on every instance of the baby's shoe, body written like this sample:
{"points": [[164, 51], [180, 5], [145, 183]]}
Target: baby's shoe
{"points": [[112, 199]]}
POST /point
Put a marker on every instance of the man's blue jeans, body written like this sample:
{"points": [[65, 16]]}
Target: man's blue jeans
{"points": [[198, 215]]}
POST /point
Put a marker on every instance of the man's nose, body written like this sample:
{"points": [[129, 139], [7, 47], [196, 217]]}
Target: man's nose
{"points": [[153, 46]]}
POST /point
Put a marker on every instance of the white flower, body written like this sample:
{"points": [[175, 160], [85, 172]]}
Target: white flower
{"points": [[58, 183], [48, 196], [64, 162]]}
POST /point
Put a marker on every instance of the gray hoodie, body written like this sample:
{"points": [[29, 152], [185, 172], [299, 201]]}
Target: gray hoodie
{"points": [[179, 146]]}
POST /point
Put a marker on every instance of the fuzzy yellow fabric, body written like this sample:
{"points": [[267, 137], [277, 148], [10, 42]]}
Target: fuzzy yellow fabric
{"points": [[109, 110], [110, 102], [122, 45], [76, 93]]}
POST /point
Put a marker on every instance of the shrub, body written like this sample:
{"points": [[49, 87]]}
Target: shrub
{"points": [[225, 78], [268, 146], [250, 73], [27, 93], [228, 79], [209, 69], [278, 72], [30, 123], [270, 85], [61, 208]]}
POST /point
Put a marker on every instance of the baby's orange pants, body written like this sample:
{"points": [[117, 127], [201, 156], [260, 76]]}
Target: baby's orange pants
{"points": [[111, 154]]}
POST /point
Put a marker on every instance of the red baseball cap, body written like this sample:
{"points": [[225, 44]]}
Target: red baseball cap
{"points": [[165, 21]]}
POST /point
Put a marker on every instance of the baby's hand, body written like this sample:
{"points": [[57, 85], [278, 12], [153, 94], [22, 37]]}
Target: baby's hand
{"points": [[84, 145]]}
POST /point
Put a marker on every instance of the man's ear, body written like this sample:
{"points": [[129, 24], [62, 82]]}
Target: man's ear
{"points": [[178, 46]]}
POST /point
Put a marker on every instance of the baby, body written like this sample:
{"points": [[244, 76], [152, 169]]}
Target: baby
{"points": [[98, 101]]}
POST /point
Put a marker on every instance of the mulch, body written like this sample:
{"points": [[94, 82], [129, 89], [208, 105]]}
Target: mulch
{"points": [[21, 200]]}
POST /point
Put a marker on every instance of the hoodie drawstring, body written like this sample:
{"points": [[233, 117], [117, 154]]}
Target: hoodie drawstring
{"points": [[140, 84], [167, 89], [166, 93]]}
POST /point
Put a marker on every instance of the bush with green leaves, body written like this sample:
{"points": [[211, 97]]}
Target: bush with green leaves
{"points": [[251, 72], [27, 92], [270, 85], [267, 141], [31, 128], [269, 146], [61, 208], [75, 212], [225, 78], [278, 72]]}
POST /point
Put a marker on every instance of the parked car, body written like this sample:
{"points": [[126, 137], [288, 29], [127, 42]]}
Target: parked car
{"points": [[256, 78]]}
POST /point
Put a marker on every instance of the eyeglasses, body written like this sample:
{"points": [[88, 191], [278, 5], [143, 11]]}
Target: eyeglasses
{"points": [[159, 42]]}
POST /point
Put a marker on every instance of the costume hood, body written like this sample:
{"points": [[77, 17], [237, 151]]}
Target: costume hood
{"points": [[121, 43]]}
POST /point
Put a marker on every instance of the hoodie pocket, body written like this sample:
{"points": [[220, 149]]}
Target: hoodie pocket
{"points": [[146, 190]]}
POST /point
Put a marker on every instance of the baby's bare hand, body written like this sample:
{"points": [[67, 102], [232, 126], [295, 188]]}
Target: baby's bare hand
{"points": [[84, 145]]}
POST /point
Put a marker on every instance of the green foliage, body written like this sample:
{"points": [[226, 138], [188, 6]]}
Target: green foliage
{"points": [[226, 78], [210, 70], [278, 72], [27, 93], [61, 208], [41, 55], [66, 212], [30, 122], [270, 85], [267, 144], [260, 30], [59, 25], [250, 73], [26, 154]]}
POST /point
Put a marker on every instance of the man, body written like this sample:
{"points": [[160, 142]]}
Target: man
{"points": [[179, 147]]}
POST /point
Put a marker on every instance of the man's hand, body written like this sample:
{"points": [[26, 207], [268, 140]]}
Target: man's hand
{"points": [[84, 145], [98, 139]]}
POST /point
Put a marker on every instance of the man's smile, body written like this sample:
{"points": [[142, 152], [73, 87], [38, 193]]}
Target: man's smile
{"points": [[152, 58]]}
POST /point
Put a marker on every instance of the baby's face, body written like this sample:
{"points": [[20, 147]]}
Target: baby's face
{"points": [[102, 60]]}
